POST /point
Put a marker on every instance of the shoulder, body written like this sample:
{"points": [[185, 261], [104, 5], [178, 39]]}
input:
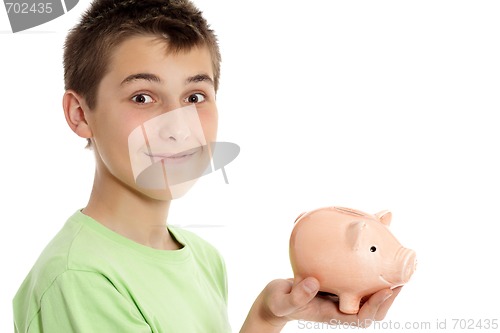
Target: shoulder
{"points": [[53, 260], [54, 265], [72, 248]]}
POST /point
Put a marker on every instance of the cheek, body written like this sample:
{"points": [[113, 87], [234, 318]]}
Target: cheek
{"points": [[113, 137], [209, 123]]}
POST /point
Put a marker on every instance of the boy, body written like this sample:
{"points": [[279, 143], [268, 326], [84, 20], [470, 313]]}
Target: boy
{"points": [[141, 80]]}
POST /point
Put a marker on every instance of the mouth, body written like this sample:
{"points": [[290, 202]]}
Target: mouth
{"points": [[174, 157]]}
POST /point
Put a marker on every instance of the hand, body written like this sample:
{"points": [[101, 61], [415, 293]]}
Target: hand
{"points": [[282, 301]]}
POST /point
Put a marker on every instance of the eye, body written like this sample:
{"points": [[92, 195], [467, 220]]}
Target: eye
{"points": [[373, 249], [142, 99], [195, 98]]}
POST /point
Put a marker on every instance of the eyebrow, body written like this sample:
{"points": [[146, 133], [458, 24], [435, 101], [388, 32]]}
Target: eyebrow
{"points": [[141, 76], [156, 79], [200, 78]]}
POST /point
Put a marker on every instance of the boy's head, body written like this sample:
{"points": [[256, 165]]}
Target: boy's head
{"points": [[141, 79], [107, 23]]}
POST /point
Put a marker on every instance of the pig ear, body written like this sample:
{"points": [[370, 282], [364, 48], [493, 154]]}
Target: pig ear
{"points": [[385, 217], [298, 217], [354, 232]]}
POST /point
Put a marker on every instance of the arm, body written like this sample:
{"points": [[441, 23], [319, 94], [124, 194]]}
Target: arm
{"points": [[80, 301], [281, 302]]}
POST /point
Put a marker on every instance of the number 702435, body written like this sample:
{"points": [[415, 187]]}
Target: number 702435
{"points": [[470, 324], [27, 8]]}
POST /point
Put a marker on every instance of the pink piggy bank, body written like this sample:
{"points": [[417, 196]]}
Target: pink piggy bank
{"points": [[351, 253]]}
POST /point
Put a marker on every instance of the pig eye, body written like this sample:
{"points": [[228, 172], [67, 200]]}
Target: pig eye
{"points": [[373, 249]]}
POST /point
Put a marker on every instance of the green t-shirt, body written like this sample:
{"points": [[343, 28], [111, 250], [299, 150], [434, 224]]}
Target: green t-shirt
{"points": [[91, 279]]}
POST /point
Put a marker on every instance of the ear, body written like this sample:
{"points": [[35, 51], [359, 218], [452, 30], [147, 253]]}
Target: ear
{"points": [[74, 105], [354, 232], [385, 217], [298, 217]]}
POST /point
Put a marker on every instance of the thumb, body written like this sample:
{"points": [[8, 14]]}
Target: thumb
{"points": [[299, 296]]}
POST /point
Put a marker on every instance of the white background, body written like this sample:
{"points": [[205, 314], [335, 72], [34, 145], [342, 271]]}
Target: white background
{"points": [[366, 104]]}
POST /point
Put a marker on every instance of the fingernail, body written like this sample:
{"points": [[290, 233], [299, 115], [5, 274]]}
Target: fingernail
{"points": [[310, 286], [388, 296]]}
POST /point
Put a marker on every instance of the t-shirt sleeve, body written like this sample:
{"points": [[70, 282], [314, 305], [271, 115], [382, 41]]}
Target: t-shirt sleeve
{"points": [[80, 301]]}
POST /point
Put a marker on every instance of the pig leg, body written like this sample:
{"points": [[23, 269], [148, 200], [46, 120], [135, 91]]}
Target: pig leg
{"points": [[349, 303]]}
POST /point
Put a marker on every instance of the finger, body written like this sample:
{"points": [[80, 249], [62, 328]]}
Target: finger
{"points": [[384, 308], [299, 296], [369, 310]]}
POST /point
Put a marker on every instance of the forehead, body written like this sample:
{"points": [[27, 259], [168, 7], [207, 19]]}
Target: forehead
{"points": [[152, 54]]}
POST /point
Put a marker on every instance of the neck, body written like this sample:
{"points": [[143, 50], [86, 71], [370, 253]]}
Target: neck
{"points": [[130, 213]]}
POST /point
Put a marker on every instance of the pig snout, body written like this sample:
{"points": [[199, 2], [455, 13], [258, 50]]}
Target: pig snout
{"points": [[408, 261]]}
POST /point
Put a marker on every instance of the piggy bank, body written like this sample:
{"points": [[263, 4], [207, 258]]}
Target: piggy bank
{"points": [[351, 253]]}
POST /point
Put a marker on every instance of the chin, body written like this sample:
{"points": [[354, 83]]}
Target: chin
{"points": [[170, 193]]}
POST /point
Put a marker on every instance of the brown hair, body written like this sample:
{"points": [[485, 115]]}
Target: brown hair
{"points": [[107, 23]]}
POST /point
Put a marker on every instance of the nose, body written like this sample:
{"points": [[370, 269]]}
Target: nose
{"points": [[409, 264], [175, 127]]}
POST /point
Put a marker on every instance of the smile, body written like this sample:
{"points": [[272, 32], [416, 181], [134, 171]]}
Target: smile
{"points": [[177, 157]]}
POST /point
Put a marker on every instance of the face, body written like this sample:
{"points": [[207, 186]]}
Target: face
{"points": [[155, 117]]}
